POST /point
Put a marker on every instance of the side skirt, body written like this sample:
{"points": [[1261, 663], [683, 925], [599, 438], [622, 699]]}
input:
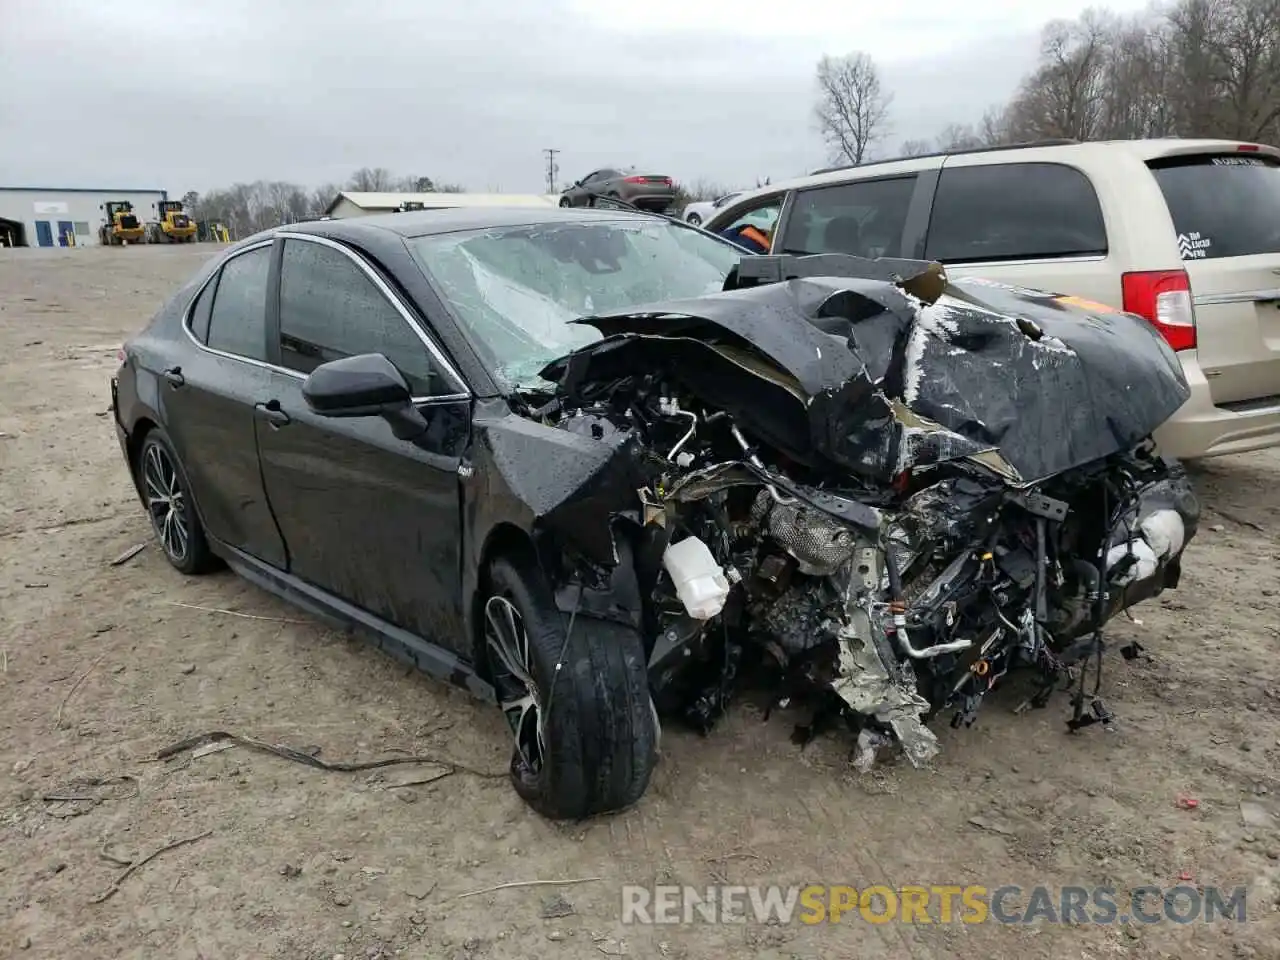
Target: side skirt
{"points": [[399, 643]]}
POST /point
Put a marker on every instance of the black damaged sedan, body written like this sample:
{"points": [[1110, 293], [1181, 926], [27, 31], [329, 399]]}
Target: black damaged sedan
{"points": [[402, 424]]}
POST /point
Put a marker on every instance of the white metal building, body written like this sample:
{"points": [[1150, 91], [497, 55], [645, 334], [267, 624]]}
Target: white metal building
{"points": [[357, 204], [65, 216]]}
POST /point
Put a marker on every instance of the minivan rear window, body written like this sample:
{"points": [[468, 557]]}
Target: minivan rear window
{"points": [[1014, 211], [1226, 205]]}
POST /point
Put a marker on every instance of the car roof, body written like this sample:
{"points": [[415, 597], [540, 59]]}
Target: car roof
{"points": [[1063, 150], [422, 223]]}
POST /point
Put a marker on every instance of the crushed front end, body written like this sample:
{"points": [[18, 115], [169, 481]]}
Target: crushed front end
{"points": [[878, 492]]}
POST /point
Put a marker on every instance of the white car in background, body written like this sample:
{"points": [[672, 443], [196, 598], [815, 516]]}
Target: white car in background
{"points": [[701, 210]]}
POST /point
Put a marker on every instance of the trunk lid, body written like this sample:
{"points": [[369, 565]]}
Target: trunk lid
{"points": [[1225, 207]]}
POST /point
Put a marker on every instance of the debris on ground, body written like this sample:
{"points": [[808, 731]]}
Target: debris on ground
{"points": [[129, 554], [79, 796], [555, 907], [115, 884], [993, 825], [309, 759], [1255, 816]]}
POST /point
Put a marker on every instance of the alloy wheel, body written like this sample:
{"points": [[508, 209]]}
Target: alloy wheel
{"points": [[518, 695], [166, 502]]}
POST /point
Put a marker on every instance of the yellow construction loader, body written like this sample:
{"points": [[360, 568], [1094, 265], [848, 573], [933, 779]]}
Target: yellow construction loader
{"points": [[174, 226], [122, 225]]}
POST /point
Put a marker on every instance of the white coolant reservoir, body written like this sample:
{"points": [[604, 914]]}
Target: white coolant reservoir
{"points": [[700, 581]]}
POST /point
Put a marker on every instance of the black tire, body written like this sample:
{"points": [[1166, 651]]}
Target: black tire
{"points": [[599, 734], [566, 202], [161, 480], [694, 219]]}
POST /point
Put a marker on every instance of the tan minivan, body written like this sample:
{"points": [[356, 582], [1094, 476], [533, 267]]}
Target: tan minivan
{"points": [[1185, 233]]}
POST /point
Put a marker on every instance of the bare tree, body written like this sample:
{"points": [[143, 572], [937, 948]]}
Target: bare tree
{"points": [[852, 108], [1228, 55], [993, 128], [415, 185], [1197, 68], [321, 197], [960, 136], [372, 180], [1065, 95], [916, 148]]}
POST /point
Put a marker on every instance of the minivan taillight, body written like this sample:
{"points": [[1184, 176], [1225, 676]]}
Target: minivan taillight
{"points": [[1164, 298]]}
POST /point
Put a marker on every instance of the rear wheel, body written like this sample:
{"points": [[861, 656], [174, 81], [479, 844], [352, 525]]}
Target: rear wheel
{"points": [[578, 704], [170, 506], [565, 202], [694, 219]]}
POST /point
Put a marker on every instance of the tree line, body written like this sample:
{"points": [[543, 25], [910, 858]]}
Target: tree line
{"points": [[246, 208], [1191, 68]]}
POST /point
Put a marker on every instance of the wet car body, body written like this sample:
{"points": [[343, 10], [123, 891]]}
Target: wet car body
{"points": [[830, 431]]}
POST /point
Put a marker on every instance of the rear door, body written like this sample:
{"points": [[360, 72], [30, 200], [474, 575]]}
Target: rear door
{"points": [[207, 394], [1226, 212], [1034, 224]]}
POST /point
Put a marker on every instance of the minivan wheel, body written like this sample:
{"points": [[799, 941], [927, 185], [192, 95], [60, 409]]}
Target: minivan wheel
{"points": [[578, 705], [170, 506]]}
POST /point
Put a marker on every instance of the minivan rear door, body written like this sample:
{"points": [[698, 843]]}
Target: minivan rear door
{"points": [[1226, 211]]}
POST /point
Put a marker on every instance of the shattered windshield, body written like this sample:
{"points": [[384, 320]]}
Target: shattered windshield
{"points": [[515, 289]]}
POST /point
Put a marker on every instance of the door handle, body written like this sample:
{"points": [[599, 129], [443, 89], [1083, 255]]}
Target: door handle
{"points": [[271, 412], [174, 376]]}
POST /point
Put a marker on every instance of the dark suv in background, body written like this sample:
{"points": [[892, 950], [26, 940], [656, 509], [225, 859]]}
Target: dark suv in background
{"points": [[648, 191]]}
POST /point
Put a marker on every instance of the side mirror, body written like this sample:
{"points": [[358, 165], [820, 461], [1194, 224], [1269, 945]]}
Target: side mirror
{"points": [[367, 385]]}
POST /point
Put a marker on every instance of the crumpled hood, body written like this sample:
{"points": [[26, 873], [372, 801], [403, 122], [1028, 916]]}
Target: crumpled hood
{"points": [[859, 373]]}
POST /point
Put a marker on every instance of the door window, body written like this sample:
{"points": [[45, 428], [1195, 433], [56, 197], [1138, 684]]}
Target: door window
{"points": [[330, 308], [1014, 211], [864, 218], [763, 216], [200, 311], [237, 321]]}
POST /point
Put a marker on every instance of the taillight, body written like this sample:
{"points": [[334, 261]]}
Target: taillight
{"points": [[1248, 148], [1164, 298], [635, 179]]}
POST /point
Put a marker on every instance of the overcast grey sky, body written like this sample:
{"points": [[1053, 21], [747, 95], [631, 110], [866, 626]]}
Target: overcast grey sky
{"points": [[180, 95]]}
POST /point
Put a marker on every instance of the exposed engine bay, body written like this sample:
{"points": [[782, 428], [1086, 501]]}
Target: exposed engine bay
{"points": [[887, 490]]}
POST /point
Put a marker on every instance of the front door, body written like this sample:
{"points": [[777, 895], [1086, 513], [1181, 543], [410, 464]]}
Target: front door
{"points": [[44, 233], [372, 519]]}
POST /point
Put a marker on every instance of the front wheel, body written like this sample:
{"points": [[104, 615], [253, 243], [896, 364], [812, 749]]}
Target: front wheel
{"points": [[169, 503], [694, 219], [577, 704], [564, 202]]}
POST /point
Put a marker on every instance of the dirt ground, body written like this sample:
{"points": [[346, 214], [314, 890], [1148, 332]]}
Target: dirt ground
{"points": [[105, 665]]}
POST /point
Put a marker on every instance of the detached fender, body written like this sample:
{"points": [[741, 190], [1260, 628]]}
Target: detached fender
{"points": [[562, 500]]}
